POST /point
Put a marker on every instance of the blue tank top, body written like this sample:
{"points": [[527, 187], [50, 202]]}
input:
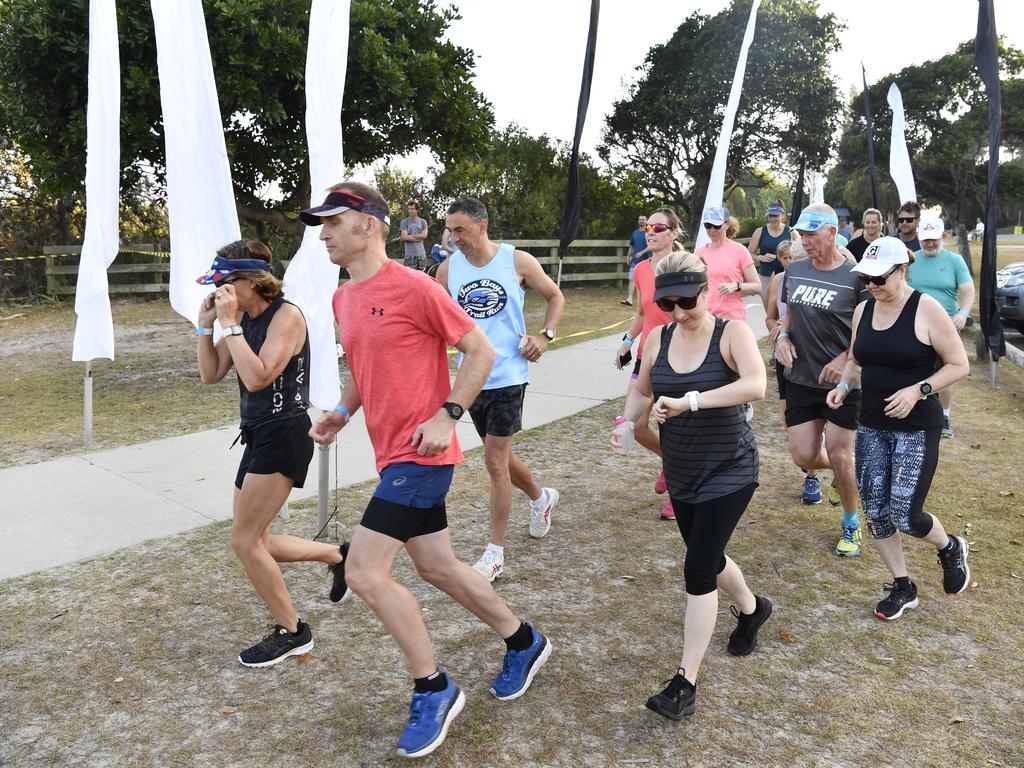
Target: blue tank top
{"points": [[492, 296], [768, 244]]}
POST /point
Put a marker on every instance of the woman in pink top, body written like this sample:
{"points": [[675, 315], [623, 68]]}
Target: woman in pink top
{"points": [[731, 271], [663, 228]]}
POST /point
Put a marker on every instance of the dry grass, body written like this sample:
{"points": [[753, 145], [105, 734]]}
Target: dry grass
{"points": [[151, 389], [129, 659]]}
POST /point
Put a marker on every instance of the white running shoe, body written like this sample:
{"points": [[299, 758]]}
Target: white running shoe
{"points": [[490, 565], [540, 517]]}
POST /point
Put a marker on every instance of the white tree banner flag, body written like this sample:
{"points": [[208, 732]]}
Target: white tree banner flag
{"points": [[899, 157], [311, 278], [94, 330], [817, 182], [200, 201], [716, 185]]}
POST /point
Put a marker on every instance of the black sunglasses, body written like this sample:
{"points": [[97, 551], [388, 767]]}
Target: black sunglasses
{"points": [[226, 281], [906, 219], [878, 280], [683, 302], [709, 225]]}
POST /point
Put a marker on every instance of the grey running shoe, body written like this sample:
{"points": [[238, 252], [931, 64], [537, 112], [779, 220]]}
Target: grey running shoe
{"points": [[947, 430]]}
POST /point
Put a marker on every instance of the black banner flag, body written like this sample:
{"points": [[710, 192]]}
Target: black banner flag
{"points": [[570, 225], [986, 58], [871, 139]]}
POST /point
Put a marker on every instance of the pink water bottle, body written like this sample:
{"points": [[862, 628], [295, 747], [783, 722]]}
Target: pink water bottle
{"points": [[625, 432]]}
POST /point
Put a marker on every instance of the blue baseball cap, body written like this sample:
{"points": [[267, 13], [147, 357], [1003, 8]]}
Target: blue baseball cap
{"points": [[221, 268], [716, 214], [812, 221]]}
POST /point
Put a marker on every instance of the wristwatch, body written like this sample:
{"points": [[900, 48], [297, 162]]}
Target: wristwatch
{"points": [[549, 333], [235, 330], [454, 410], [926, 389]]}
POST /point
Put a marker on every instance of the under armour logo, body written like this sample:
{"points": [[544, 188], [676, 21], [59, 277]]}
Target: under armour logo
{"points": [[377, 311]]}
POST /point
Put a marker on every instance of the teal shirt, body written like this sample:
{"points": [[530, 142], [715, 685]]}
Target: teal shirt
{"points": [[939, 276]]}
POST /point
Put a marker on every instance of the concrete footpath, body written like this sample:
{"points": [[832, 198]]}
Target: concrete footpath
{"points": [[79, 507]]}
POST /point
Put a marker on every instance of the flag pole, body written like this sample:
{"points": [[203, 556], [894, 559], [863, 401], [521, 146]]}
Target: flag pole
{"points": [[87, 405], [871, 138]]}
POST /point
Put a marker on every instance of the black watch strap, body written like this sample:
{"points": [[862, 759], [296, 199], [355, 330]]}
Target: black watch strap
{"points": [[454, 410]]}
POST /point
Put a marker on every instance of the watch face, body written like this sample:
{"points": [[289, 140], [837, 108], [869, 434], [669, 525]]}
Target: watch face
{"points": [[454, 410], [926, 388]]}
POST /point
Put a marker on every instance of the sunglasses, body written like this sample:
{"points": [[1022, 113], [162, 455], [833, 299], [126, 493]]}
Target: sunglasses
{"points": [[879, 280], [657, 228], [709, 225], [226, 281], [906, 219], [683, 302]]}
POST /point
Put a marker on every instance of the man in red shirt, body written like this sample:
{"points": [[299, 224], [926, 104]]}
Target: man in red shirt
{"points": [[395, 325]]}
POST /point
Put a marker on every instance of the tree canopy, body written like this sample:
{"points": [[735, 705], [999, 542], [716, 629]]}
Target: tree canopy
{"points": [[667, 127], [946, 110], [405, 87]]}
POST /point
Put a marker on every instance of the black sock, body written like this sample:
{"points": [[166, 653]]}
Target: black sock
{"points": [[951, 547], [298, 629], [436, 682], [903, 582], [522, 639]]}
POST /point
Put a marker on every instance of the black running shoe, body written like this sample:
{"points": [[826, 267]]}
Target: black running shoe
{"points": [[278, 646], [339, 589], [743, 639], [677, 700], [899, 599], [956, 574]]}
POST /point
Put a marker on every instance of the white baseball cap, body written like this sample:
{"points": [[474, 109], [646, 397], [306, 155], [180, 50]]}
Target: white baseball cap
{"points": [[882, 255], [930, 228]]}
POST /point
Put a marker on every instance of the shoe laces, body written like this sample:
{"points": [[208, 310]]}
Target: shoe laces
{"points": [[419, 704], [513, 661], [271, 640], [744, 619], [675, 686], [848, 534], [895, 591]]}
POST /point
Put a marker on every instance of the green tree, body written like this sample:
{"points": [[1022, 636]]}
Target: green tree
{"points": [[522, 180], [406, 87], [668, 126], [947, 135]]}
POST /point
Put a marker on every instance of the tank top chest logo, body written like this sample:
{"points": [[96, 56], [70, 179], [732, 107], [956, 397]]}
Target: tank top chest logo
{"points": [[482, 298]]}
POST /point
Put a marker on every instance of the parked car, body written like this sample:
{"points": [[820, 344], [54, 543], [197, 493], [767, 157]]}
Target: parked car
{"points": [[1010, 295]]}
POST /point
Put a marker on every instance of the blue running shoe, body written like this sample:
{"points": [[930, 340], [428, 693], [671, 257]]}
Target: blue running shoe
{"points": [[812, 490], [429, 717], [519, 668]]}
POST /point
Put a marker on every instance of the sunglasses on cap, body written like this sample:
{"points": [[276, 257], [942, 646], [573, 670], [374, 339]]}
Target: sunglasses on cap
{"points": [[906, 219], [657, 228], [878, 280], [683, 302], [709, 225]]}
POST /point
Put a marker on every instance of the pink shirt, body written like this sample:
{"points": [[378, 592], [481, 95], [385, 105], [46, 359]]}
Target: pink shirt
{"points": [[643, 276], [396, 328], [725, 266]]}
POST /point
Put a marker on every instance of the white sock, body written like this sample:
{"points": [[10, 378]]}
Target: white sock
{"points": [[945, 412], [539, 501], [499, 551]]}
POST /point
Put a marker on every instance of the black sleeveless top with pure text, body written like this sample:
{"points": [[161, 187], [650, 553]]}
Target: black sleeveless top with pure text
{"points": [[709, 453], [288, 395], [891, 360]]}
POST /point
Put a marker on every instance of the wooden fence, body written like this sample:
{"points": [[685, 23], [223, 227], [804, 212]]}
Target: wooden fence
{"points": [[586, 261]]}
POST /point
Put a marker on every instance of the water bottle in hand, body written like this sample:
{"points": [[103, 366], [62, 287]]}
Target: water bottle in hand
{"points": [[625, 432]]}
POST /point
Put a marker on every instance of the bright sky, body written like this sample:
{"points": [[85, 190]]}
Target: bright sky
{"points": [[530, 52]]}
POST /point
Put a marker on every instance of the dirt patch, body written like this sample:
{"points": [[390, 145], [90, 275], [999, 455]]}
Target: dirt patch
{"points": [[130, 659]]}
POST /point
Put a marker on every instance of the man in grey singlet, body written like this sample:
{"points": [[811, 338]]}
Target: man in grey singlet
{"points": [[821, 294]]}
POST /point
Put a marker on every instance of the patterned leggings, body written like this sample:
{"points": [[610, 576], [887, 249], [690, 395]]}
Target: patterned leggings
{"points": [[894, 473]]}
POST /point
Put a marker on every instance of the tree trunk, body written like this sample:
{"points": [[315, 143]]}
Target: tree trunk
{"points": [[965, 247]]}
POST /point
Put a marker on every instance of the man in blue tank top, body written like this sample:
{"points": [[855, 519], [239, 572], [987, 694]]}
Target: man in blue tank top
{"points": [[487, 280]]}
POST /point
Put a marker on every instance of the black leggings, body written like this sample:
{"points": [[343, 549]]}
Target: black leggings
{"points": [[706, 527]]}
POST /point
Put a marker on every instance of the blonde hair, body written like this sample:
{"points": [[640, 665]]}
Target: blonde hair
{"points": [[733, 228], [784, 246], [680, 261], [674, 222]]}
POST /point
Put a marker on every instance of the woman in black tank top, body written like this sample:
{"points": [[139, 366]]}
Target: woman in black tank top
{"points": [[704, 371], [266, 342], [904, 349]]}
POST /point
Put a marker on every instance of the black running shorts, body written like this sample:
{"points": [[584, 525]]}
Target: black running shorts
{"points": [[401, 522], [281, 446], [805, 404], [498, 412]]}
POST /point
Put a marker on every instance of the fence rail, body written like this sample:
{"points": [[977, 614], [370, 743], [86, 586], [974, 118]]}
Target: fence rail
{"points": [[585, 261]]}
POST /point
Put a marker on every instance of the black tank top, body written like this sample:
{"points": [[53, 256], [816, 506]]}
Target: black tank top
{"points": [[288, 396], [768, 243], [712, 452], [891, 360]]}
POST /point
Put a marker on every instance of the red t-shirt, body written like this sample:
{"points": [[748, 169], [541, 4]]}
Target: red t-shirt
{"points": [[725, 266], [643, 277], [395, 328]]}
